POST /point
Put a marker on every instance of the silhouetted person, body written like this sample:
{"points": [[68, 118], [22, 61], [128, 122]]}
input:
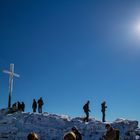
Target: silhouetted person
{"points": [[32, 136], [103, 109], [77, 133], [40, 104], [86, 110], [34, 105], [23, 106], [14, 107], [19, 106], [110, 133]]}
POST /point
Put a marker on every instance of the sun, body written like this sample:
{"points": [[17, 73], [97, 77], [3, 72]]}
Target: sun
{"points": [[134, 31], [137, 28]]}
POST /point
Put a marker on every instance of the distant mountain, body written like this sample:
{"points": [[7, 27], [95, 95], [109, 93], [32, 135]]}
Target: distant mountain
{"points": [[17, 126]]}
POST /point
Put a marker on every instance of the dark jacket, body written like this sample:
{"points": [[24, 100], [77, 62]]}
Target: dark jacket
{"points": [[34, 105], [40, 103], [78, 135], [111, 134], [86, 107], [103, 106]]}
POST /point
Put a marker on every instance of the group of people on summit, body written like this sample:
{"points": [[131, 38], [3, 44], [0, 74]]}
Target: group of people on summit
{"points": [[20, 106], [86, 109]]}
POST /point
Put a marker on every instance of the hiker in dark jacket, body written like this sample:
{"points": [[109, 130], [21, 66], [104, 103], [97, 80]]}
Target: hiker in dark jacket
{"points": [[86, 110], [19, 106], [14, 107], [103, 109], [23, 106], [34, 105], [40, 104]]}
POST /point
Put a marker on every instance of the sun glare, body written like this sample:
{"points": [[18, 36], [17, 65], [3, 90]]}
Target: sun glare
{"points": [[135, 31], [137, 28]]}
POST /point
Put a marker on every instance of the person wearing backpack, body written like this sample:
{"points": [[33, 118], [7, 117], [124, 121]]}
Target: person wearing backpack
{"points": [[86, 110]]}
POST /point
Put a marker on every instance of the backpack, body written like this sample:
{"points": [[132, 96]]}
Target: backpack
{"points": [[85, 107]]}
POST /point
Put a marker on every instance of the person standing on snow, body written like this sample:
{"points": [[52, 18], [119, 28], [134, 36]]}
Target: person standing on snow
{"points": [[103, 109], [40, 104], [23, 106], [86, 110], [34, 105]]}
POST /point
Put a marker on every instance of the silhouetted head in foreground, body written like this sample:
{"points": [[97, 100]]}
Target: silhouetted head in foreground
{"points": [[70, 136], [107, 126], [77, 133], [32, 136]]}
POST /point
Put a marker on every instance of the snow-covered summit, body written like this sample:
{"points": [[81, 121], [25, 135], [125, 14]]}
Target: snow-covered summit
{"points": [[16, 126]]}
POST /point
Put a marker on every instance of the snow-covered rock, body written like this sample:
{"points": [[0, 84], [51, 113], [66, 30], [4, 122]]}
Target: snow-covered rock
{"points": [[18, 125]]}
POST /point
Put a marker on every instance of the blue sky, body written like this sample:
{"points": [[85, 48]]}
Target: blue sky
{"points": [[69, 52]]}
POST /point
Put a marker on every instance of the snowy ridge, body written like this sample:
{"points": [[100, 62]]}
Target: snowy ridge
{"points": [[16, 126]]}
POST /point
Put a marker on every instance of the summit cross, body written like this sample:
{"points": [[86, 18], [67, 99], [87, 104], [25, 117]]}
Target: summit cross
{"points": [[11, 77]]}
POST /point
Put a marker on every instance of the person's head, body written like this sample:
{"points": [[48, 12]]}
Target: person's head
{"points": [[88, 102], [32, 136], [104, 102], [107, 126], [69, 136]]}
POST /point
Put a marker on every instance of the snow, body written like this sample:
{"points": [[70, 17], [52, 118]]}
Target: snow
{"points": [[18, 125]]}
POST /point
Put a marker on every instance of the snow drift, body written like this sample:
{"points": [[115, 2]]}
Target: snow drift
{"points": [[16, 126]]}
